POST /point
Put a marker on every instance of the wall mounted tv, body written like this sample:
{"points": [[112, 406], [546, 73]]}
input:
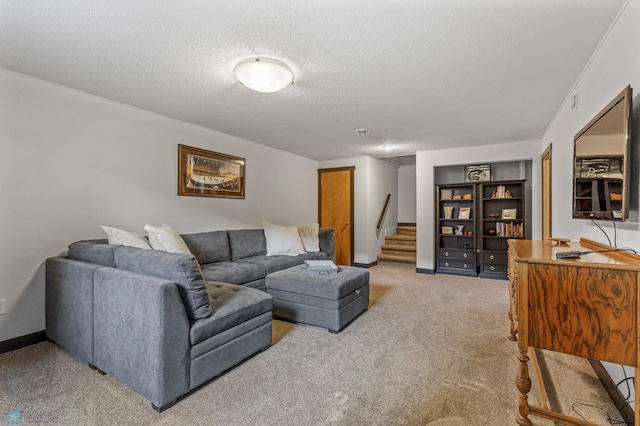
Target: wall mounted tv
{"points": [[601, 163]]}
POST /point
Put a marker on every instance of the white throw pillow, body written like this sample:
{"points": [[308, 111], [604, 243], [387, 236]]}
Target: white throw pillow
{"points": [[120, 237], [282, 240], [166, 239], [309, 236]]}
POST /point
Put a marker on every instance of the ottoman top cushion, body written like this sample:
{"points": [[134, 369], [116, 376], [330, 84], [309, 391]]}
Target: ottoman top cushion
{"points": [[332, 287]]}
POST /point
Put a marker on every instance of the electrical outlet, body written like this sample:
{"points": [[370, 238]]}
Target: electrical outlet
{"points": [[3, 307]]}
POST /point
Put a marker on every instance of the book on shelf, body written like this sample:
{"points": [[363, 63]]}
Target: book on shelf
{"points": [[510, 229]]}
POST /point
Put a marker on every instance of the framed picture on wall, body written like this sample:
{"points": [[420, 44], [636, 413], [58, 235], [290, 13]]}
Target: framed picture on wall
{"points": [[210, 174]]}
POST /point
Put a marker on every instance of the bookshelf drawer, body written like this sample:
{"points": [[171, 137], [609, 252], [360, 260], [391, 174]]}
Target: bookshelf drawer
{"points": [[467, 255], [496, 268], [495, 256], [457, 264]]}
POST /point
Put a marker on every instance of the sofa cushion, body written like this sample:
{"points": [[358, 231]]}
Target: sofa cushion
{"points": [[282, 240], [233, 272], [93, 251], [122, 237], [231, 305], [183, 269], [209, 247], [273, 263], [165, 238], [247, 243], [309, 236]]}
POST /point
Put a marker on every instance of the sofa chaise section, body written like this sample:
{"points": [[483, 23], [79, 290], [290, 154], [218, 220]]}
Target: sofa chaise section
{"points": [[151, 321]]}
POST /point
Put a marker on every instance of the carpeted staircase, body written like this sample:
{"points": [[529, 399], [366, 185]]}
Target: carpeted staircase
{"points": [[400, 247]]}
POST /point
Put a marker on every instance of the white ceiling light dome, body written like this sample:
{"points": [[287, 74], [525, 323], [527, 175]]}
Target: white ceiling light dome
{"points": [[264, 74]]}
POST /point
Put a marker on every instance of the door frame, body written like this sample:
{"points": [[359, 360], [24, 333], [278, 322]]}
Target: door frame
{"points": [[351, 169], [547, 212]]}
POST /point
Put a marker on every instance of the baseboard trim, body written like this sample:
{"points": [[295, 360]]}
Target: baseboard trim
{"points": [[365, 265], [22, 341], [425, 271], [625, 409]]}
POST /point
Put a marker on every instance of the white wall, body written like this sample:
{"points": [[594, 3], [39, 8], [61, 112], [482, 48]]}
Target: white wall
{"points": [[426, 161], [615, 65], [407, 194], [72, 161], [373, 180]]}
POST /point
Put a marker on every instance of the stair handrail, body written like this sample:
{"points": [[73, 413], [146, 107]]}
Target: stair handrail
{"points": [[384, 211]]}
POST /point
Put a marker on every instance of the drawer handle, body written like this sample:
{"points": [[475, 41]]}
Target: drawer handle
{"points": [[492, 257], [465, 255], [492, 268], [465, 266], [446, 253], [446, 263]]}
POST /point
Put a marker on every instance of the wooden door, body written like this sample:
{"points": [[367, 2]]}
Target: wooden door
{"points": [[335, 209], [546, 194]]}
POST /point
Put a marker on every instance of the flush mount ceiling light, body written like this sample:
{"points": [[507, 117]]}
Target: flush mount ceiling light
{"points": [[264, 74], [362, 132]]}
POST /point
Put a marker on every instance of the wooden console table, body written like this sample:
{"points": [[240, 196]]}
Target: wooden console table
{"points": [[586, 307]]}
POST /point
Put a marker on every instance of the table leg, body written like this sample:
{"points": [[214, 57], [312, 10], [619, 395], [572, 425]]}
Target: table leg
{"points": [[523, 383]]}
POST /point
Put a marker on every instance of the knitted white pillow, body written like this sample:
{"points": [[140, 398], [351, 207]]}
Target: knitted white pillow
{"points": [[309, 236], [166, 239], [120, 237], [282, 240]]}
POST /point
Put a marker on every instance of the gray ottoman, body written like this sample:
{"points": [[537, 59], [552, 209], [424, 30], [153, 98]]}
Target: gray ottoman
{"points": [[328, 301]]}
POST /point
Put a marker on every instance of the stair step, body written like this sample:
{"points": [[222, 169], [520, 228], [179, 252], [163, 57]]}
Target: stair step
{"points": [[406, 230], [396, 258], [410, 243], [401, 237], [398, 247], [401, 253]]}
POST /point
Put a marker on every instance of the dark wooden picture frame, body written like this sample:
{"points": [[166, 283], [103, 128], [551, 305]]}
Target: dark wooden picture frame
{"points": [[205, 173]]}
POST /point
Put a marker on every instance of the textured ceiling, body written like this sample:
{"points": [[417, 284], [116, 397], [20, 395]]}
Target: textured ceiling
{"points": [[420, 74]]}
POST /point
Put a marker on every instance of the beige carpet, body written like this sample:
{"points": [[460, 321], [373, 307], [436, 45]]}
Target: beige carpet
{"points": [[431, 350]]}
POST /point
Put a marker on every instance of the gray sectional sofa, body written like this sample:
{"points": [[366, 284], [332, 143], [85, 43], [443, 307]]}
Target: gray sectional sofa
{"points": [[164, 323]]}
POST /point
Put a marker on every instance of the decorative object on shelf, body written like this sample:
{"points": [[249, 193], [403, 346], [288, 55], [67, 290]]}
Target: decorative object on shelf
{"points": [[468, 232], [493, 215], [477, 173], [501, 192], [446, 194], [460, 230], [447, 230], [457, 197], [464, 213], [467, 197], [615, 196], [448, 212], [509, 214], [210, 174], [491, 230]]}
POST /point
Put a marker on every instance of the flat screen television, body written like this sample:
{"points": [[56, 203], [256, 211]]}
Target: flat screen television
{"points": [[601, 163]]}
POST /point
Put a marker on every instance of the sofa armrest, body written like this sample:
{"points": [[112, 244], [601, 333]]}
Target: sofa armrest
{"points": [[327, 238], [141, 334], [69, 305]]}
